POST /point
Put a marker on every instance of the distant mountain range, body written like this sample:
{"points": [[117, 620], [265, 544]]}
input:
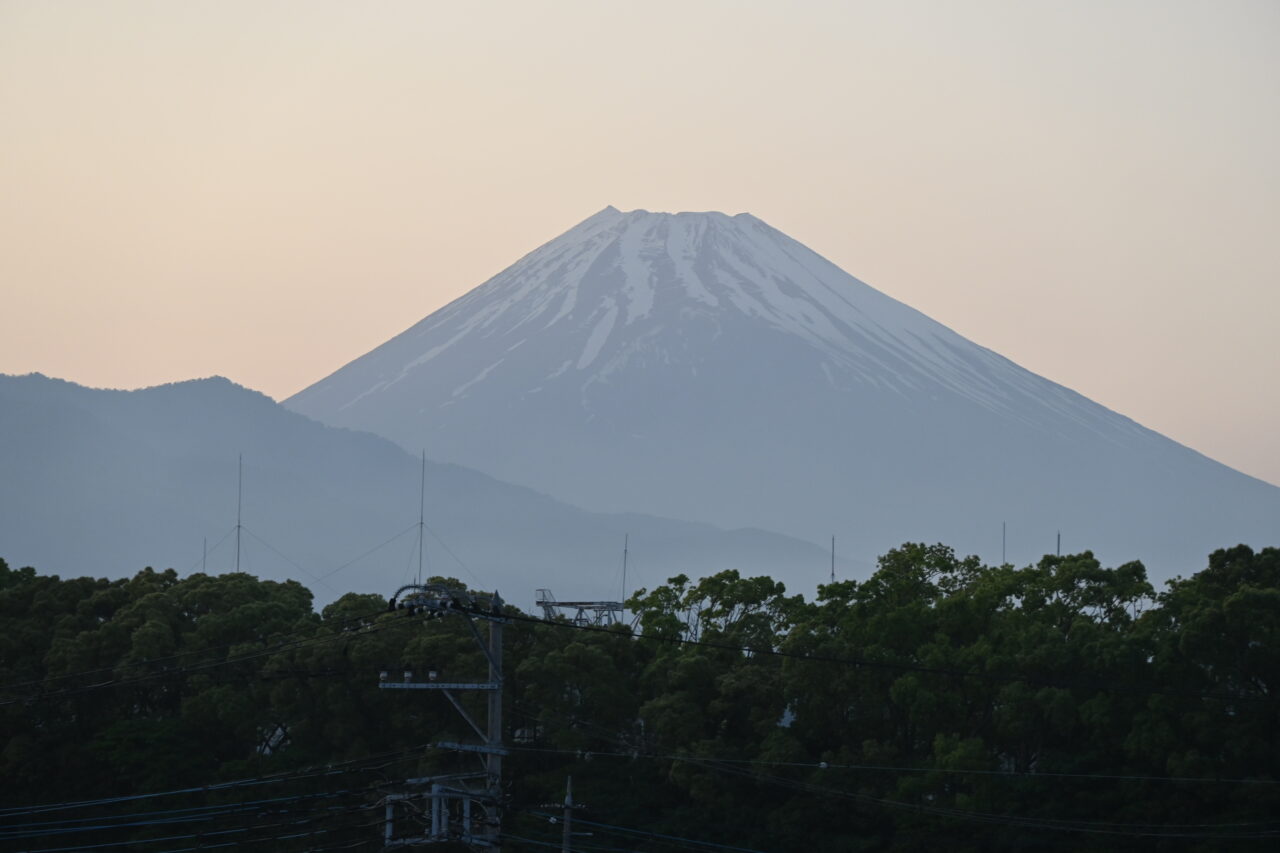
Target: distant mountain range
{"points": [[103, 483], [710, 368]]}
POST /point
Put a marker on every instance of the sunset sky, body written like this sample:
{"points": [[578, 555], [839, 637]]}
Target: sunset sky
{"points": [[267, 190]]}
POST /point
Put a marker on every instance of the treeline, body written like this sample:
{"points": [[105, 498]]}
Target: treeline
{"points": [[1060, 706]]}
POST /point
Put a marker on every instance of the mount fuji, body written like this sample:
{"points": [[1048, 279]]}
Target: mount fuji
{"points": [[709, 368]]}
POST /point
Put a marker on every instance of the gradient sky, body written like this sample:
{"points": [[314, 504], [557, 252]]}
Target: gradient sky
{"points": [[267, 190]]}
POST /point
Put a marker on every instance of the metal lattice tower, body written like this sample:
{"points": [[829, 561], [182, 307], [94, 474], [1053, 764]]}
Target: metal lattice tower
{"points": [[463, 807], [594, 613]]}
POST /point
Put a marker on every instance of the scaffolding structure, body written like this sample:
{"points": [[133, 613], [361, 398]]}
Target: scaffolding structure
{"points": [[585, 613]]}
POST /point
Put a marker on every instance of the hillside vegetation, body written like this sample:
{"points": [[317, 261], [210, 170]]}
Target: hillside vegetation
{"points": [[1060, 706]]}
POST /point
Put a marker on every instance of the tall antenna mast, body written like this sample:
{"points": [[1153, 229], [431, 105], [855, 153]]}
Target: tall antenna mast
{"points": [[422, 513], [204, 555], [626, 538], [239, 500], [1059, 543], [1003, 540], [833, 559]]}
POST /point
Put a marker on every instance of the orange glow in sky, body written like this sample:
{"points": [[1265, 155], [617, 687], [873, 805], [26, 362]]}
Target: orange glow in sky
{"points": [[267, 190]]}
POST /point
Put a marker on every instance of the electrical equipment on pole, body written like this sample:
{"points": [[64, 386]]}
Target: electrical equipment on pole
{"points": [[566, 819], [464, 807]]}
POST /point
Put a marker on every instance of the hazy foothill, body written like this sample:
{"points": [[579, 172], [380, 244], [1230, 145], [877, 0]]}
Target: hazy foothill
{"points": [[103, 482], [724, 401]]}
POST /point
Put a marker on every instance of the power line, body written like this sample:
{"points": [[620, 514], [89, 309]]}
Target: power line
{"points": [[559, 845], [290, 561], [1068, 825], [455, 557], [162, 815], [627, 833], [172, 817], [229, 810], [884, 768], [133, 842], [711, 845], [316, 771], [207, 551], [368, 553]]}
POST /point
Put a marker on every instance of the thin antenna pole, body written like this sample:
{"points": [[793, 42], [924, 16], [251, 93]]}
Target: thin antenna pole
{"points": [[422, 513], [626, 540], [1059, 543], [239, 501], [204, 555], [833, 559], [1003, 540]]}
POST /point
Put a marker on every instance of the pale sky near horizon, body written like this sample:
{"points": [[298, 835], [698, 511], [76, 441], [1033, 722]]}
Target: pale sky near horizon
{"points": [[267, 190]]}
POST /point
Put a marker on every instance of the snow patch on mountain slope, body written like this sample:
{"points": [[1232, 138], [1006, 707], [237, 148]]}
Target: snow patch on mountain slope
{"points": [[616, 272], [599, 335], [633, 245], [462, 389]]}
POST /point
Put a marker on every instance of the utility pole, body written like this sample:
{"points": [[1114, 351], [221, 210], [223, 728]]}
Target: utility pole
{"points": [[568, 816], [463, 807]]}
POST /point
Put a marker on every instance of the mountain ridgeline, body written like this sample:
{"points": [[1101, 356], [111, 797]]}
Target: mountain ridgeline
{"points": [[106, 482], [710, 368]]}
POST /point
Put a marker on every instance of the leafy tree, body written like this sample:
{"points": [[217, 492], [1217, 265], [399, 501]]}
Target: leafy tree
{"points": [[939, 699]]}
